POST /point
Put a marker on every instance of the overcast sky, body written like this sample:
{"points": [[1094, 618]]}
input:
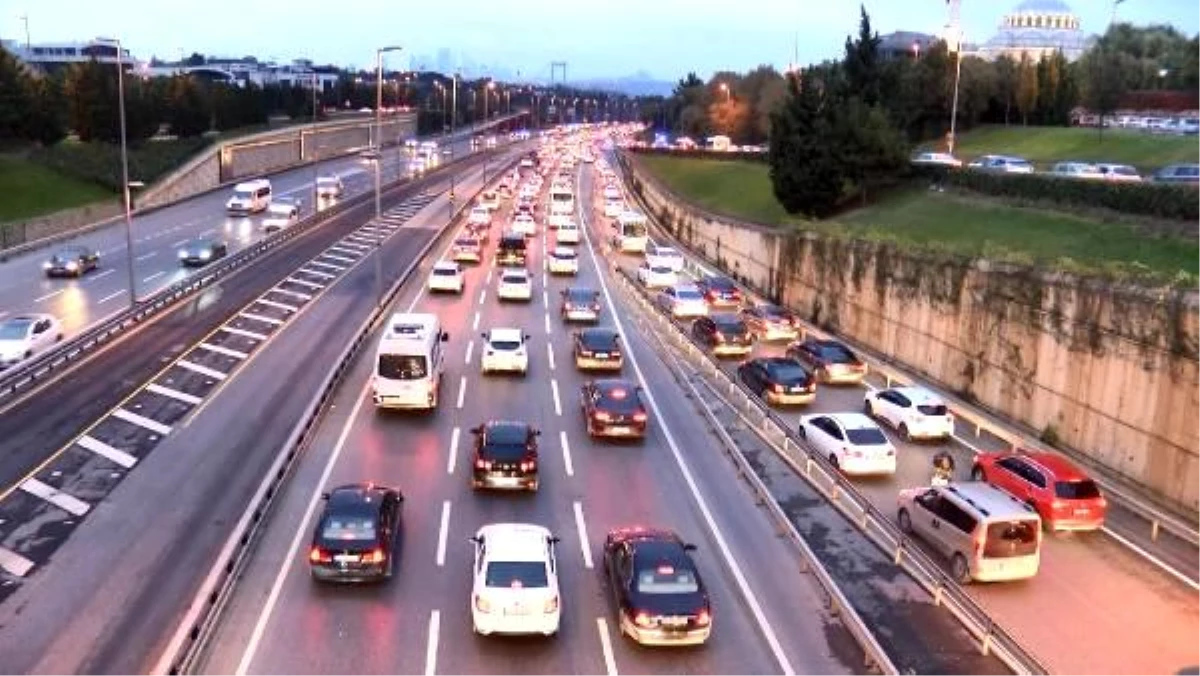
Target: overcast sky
{"points": [[609, 38]]}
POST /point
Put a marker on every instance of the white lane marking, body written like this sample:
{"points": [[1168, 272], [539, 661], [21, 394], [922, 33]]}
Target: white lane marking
{"points": [[328, 266], [202, 370], [739, 577], [488, 278], [610, 662], [443, 533], [281, 306], [566, 450], [462, 390], [261, 318], [180, 242], [142, 421], [100, 448], [210, 231], [318, 273], [1152, 558], [550, 354], [102, 274], [546, 317], [340, 259], [254, 335], [68, 503], [304, 282], [48, 296], [153, 277], [173, 393], [435, 628], [583, 538], [470, 350], [111, 296], [545, 297], [453, 460], [475, 324], [3, 314], [236, 354], [482, 295], [554, 393], [14, 563], [146, 256], [294, 294]]}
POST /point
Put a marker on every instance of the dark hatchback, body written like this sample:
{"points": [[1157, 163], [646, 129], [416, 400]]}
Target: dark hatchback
{"points": [[725, 334], [511, 250], [202, 251], [72, 261], [580, 304], [779, 380], [506, 456], [719, 291], [614, 408], [772, 322], [355, 538], [598, 349], [832, 361], [659, 595]]}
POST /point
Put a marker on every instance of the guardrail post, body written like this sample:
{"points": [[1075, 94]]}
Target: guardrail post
{"points": [[898, 557], [938, 590], [978, 429], [985, 646], [1154, 530]]}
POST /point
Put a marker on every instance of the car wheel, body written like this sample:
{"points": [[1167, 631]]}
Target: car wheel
{"points": [[834, 461], [977, 474], [904, 433], [959, 569], [904, 520]]}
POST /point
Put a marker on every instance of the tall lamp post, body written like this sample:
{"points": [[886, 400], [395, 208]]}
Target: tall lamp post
{"points": [[379, 160], [956, 47], [487, 94], [126, 186]]}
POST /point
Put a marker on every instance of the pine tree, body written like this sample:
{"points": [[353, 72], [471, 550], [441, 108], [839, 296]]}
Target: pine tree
{"points": [[806, 174]]}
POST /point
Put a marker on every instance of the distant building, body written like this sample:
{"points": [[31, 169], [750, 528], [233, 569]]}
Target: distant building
{"points": [[1037, 28], [50, 57], [905, 44], [300, 72]]}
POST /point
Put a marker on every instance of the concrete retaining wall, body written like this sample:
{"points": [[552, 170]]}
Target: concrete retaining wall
{"points": [[1110, 371]]}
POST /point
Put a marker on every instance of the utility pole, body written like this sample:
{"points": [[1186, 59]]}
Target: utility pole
{"points": [[25, 18]]}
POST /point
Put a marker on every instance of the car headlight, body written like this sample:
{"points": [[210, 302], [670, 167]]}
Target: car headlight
{"points": [[47, 265], [183, 254], [72, 265], [206, 254]]}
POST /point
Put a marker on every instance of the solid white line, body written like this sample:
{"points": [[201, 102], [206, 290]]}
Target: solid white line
{"points": [[470, 349], [102, 274], [550, 354], [294, 294], [111, 296], [453, 460], [142, 421], [462, 390], [262, 318], [475, 324], [1152, 558], [146, 256], [435, 626], [173, 393], [48, 296], [260, 627], [236, 354], [153, 277], [202, 370], [482, 295], [583, 538], [566, 449], [443, 532], [281, 306], [243, 332], [739, 577], [546, 317], [100, 448], [15, 564], [610, 662], [352, 248], [554, 393], [65, 502]]}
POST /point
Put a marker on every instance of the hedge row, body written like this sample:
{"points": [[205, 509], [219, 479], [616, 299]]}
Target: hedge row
{"points": [[100, 163], [701, 154], [1157, 200]]}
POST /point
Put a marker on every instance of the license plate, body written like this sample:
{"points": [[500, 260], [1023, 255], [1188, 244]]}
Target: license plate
{"points": [[1083, 512], [516, 610], [601, 355], [346, 558], [620, 430], [506, 481], [674, 622]]}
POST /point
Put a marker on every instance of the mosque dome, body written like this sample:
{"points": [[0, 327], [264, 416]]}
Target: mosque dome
{"points": [[1037, 28]]}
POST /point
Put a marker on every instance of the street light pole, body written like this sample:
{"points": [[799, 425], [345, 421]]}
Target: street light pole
{"points": [[379, 160], [315, 152], [125, 186]]}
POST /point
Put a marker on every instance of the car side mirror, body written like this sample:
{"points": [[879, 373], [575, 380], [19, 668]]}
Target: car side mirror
{"points": [[527, 336], [474, 539], [445, 336], [537, 433], [554, 539], [483, 335], [324, 496], [478, 429], [399, 496], [689, 547]]}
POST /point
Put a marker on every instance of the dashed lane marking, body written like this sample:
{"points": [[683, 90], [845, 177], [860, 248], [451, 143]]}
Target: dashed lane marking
{"points": [[173, 394], [219, 349], [102, 449], [244, 333], [318, 273], [302, 282], [66, 502], [340, 259], [202, 370], [261, 318], [142, 421], [554, 393], [276, 304], [566, 451], [328, 266], [583, 537], [294, 294], [15, 564], [453, 460]]}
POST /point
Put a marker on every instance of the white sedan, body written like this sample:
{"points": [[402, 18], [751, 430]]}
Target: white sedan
{"points": [[614, 208], [524, 224], [24, 336], [447, 276], [281, 213], [656, 254], [914, 412], [504, 350], [515, 588], [329, 187], [656, 276], [480, 216], [682, 301], [563, 261], [515, 285], [852, 442]]}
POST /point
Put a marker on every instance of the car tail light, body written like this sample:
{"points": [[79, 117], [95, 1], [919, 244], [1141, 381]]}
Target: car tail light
{"points": [[318, 555], [585, 353], [551, 604], [595, 307], [778, 388], [601, 415], [480, 463], [375, 556], [703, 618], [640, 416], [528, 465], [719, 338], [641, 618], [482, 605]]}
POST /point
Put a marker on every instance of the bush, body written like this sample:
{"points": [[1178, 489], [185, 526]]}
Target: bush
{"points": [[100, 163], [1157, 200], [700, 154]]}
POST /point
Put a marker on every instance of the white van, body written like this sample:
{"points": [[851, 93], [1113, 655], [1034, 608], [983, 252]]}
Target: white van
{"points": [[409, 362], [250, 197], [567, 233]]}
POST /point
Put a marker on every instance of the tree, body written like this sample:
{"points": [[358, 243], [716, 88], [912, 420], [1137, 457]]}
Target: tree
{"points": [[46, 123], [1102, 83], [187, 113], [731, 118], [91, 92], [871, 147], [1008, 76], [806, 174], [863, 76], [15, 104], [1027, 87]]}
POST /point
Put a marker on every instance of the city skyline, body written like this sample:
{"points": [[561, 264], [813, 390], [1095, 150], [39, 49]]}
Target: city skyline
{"points": [[667, 40]]}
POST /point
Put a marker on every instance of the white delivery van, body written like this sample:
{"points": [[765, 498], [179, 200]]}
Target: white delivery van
{"points": [[409, 362], [250, 197]]}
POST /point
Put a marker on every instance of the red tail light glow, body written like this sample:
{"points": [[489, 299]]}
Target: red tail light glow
{"points": [[640, 416], [482, 604], [528, 466], [375, 556], [318, 555], [551, 605], [777, 388], [601, 415], [703, 618], [641, 618], [480, 463]]}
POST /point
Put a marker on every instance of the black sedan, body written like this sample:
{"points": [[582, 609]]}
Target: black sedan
{"points": [[356, 536], [580, 304], [725, 334], [658, 592], [833, 362], [506, 456], [779, 380], [202, 251], [614, 408], [72, 261], [719, 291], [598, 349]]}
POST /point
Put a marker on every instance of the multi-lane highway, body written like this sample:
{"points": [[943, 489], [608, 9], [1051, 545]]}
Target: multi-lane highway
{"points": [[118, 549], [157, 236], [769, 617], [1095, 606]]}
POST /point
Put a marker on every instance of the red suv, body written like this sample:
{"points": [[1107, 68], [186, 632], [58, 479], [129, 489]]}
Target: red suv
{"points": [[1062, 494]]}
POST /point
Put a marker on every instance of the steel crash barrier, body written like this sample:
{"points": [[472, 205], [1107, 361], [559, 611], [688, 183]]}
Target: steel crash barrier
{"points": [[187, 645], [1158, 519], [36, 371], [816, 470]]}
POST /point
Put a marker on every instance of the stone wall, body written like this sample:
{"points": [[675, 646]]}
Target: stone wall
{"points": [[1110, 371]]}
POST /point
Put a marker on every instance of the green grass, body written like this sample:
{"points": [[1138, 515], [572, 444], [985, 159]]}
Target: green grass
{"points": [[1046, 145], [31, 190], [943, 222]]}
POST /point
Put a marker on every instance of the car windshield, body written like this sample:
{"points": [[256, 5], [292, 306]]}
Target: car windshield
{"points": [[599, 341], [721, 284], [667, 580], [402, 367], [324, 180], [466, 242], [1082, 489], [728, 326], [517, 574], [688, 294], [660, 270], [932, 409], [514, 279], [505, 345], [354, 528], [445, 272], [513, 243], [581, 295], [242, 194], [788, 373], [866, 436], [667, 252], [837, 354], [564, 255], [14, 330]]}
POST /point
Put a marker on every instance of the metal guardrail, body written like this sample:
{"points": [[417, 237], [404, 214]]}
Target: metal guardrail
{"points": [[32, 373], [202, 617], [876, 657], [1157, 518], [821, 475]]}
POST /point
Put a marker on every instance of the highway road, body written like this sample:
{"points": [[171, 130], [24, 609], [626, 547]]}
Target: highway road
{"points": [[109, 585], [769, 618], [1096, 606], [157, 236]]}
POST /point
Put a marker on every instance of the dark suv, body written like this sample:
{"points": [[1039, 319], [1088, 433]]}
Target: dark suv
{"points": [[506, 456], [511, 250]]}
